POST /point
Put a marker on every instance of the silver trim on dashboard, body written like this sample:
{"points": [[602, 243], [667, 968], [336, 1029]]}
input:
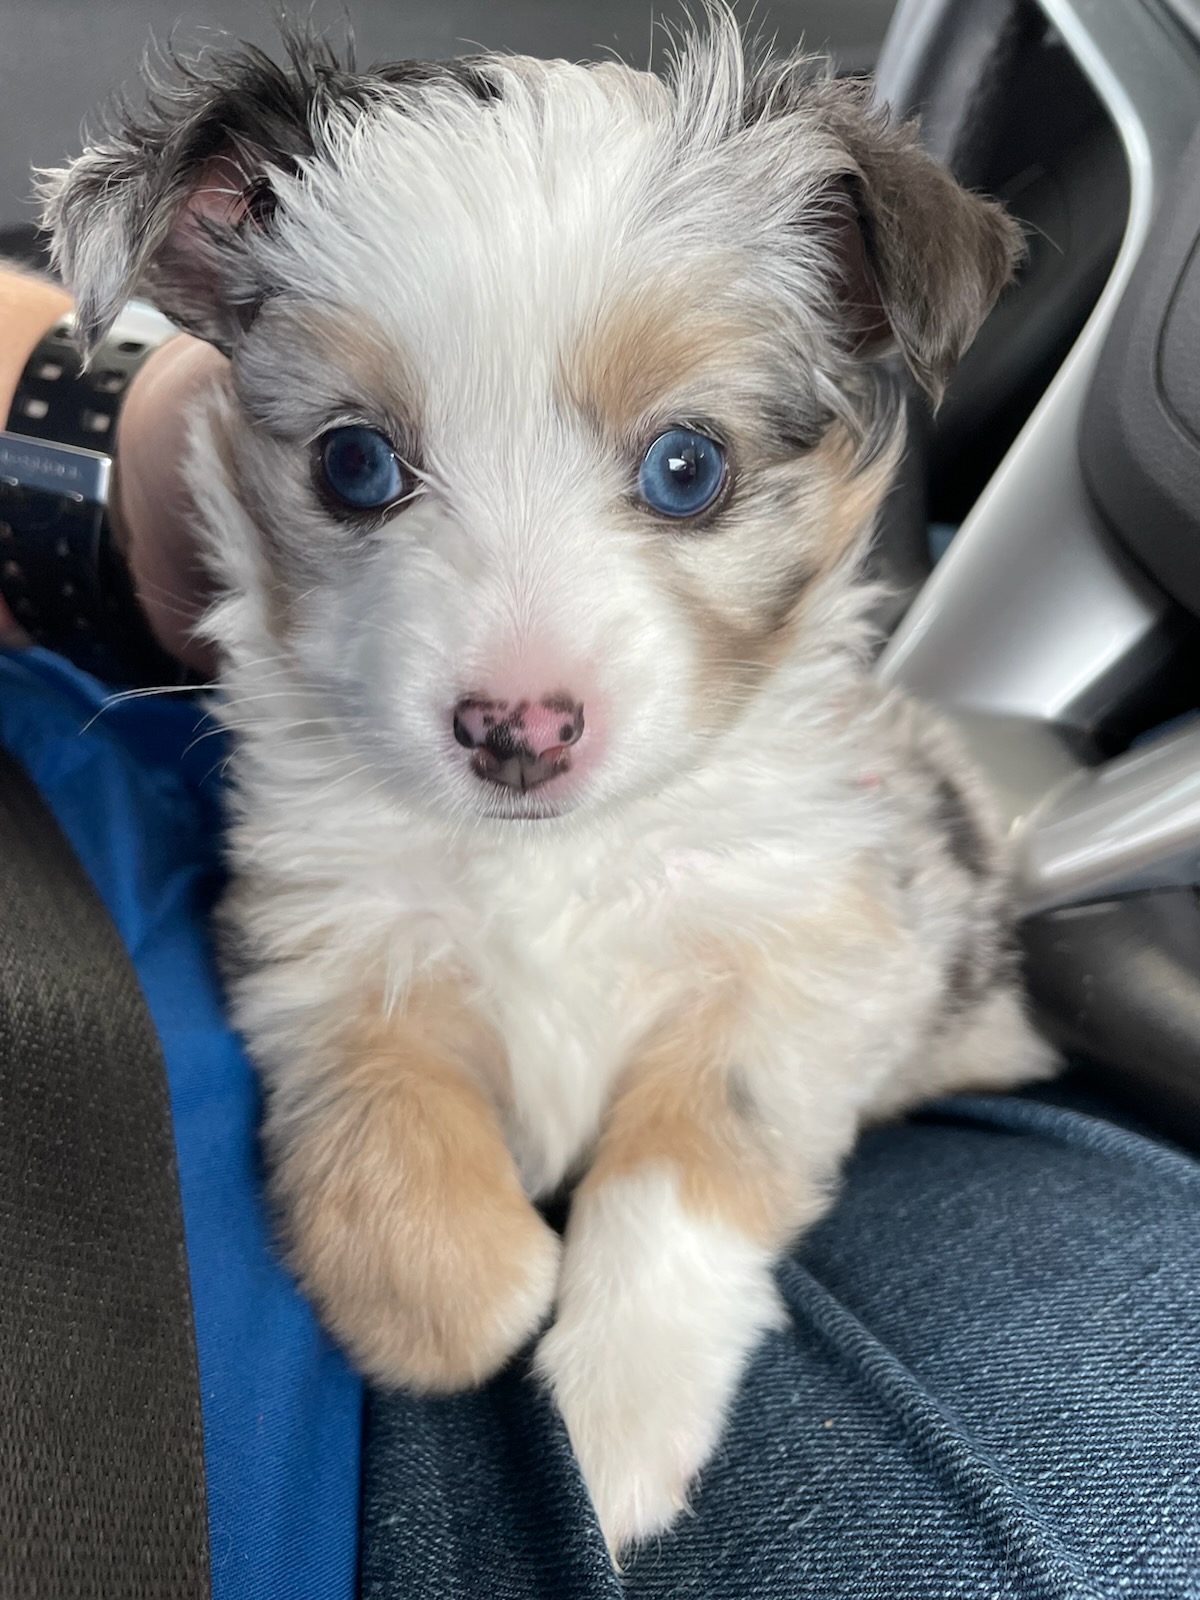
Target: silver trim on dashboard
{"points": [[1128, 825], [1034, 615], [1033, 609]]}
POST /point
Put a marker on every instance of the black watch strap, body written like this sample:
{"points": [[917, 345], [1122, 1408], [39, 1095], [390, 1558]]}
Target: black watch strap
{"points": [[61, 573]]}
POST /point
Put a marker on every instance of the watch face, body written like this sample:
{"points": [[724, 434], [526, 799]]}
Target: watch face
{"points": [[65, 469]]}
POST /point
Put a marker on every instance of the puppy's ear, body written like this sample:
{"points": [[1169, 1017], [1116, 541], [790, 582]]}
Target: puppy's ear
{"points": [[168, 204], [920, 260]]}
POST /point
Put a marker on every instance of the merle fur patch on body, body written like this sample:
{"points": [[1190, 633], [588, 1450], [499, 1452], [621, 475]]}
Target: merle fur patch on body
{"points": [[963, 833]]}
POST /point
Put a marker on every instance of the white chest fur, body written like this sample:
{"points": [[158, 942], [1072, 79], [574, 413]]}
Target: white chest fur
{"points": [[572, 947], [570, 939]]}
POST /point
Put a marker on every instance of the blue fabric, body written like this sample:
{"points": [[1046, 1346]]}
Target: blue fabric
{"points": [[989, 1386], [282, 1411]]}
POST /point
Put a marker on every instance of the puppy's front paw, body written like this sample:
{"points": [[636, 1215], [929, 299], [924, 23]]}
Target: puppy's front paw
{"points": [[641, 1428], [658, 1312], [408, 1225], [425, 1300]]}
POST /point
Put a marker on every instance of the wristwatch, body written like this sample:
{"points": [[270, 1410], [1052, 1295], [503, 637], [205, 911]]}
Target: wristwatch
{"points": [[61, 573]]}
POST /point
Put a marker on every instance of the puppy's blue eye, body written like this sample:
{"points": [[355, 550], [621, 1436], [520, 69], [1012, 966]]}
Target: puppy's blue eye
{"points": [[681, 473], [361, 468]]}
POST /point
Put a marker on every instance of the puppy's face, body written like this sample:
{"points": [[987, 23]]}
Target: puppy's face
{"points": [[554, 403], [599, 469]]}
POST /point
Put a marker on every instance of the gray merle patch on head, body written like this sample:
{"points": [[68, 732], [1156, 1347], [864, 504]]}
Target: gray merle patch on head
{"points": [[167, 201], [471, 73], [796, 423], [922, 260]]}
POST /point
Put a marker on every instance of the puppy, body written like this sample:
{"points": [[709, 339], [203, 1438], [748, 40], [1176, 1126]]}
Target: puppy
{"points": [[572, 842]]}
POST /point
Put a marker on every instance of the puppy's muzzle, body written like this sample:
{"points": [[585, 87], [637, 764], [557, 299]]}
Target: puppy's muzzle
{"points": [[519, 746]]}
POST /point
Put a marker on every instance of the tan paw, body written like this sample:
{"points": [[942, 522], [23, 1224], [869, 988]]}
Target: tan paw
{"points": [[427, 1300], [407, 1223]]}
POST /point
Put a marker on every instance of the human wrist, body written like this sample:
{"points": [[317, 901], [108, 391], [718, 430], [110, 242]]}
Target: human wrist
{"points": [[29, 307], [151, 509]]}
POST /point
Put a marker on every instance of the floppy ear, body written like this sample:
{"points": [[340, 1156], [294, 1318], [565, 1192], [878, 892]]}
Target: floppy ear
{"points": [[935, 255], [167, 205], [921, 260]]}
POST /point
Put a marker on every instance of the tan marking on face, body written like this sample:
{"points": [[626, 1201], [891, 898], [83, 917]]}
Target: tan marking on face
{"points": [[854, 497], [301, 360], [744, 587], [405, 1215], [301, 368], [651, 345], [849, 507], [356, 345], [741, 579]]}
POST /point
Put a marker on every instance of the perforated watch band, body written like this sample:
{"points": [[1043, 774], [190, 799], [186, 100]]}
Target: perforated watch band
{"points": [[61, 573]]}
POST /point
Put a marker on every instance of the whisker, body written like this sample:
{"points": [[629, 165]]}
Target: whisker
{"points": [[180, 605], [341, 778], [120, 695]]}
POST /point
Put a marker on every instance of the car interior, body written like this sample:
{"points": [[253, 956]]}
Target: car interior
{"points": [[1040, 548]]}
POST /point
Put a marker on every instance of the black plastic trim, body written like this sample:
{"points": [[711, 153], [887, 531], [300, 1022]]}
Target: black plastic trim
{"points": [[1118, 982]]}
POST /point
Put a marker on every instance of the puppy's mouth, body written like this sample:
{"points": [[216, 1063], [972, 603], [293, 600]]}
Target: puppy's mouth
{"points": [[507, 803]]}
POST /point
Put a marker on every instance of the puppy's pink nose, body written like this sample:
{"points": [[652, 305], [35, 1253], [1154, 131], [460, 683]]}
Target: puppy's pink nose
{"points": [[519, 744]]}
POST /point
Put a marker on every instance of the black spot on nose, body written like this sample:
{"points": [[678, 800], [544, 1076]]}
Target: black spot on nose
{"points": [[512, 746], [502, 742], [568, 732]]}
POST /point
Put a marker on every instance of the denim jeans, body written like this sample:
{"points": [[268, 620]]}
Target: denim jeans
{"points": [[988, 1385]]}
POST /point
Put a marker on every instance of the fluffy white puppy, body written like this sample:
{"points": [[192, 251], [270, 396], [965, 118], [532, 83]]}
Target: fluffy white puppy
{"points": [[572, 842]]}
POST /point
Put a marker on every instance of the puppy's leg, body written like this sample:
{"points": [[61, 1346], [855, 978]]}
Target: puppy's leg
{"points": [[666, 1285], [404, 1212]]}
